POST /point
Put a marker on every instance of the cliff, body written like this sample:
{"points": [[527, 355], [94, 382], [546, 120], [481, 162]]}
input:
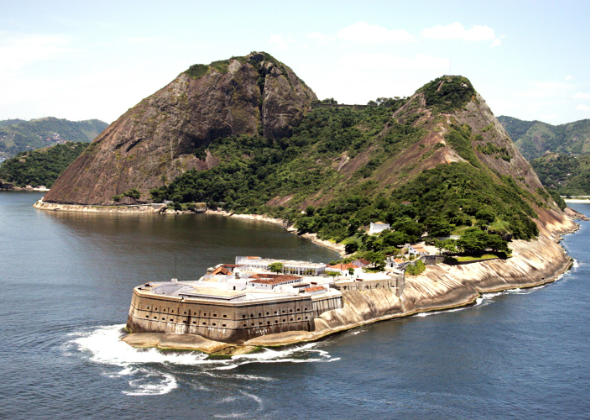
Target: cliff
{"points": [[153, 142]]}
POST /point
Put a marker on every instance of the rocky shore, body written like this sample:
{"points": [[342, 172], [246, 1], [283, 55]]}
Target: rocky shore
{"points": [[140, 208], [440, 287]]}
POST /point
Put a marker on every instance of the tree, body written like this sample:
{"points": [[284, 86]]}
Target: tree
{"points": [[276, 267], [377, 259]]}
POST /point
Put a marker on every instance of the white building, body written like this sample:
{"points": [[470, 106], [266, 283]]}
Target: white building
{"points": [[378, 227], [299, 268]]}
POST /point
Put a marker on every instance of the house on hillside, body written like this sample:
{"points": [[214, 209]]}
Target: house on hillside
{"points": [[416, 250], [397, 263], [378, 227]]}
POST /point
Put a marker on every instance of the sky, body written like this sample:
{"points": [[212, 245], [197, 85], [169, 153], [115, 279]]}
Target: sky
{"points": [[83, 60]]}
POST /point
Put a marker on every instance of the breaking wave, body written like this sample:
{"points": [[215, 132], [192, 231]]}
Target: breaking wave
{"points": [[152, 372]]}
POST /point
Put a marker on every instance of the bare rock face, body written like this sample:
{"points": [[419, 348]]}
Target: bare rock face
{"points": [[153, 142]]}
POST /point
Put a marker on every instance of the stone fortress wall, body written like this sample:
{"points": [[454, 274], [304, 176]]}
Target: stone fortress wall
{"points": [[226, 321]]}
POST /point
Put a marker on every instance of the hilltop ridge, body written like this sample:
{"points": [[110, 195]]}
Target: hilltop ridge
{"points": [[154, 142], [242, 133]]}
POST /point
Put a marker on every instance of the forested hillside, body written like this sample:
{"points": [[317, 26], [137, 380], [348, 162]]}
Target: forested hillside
{"points": [[41, 166], [18, 135], [569, 175], [437, 162], [534, 138]]}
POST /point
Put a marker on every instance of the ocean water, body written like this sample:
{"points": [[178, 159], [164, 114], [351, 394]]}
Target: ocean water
{"points": [[66, 281]]}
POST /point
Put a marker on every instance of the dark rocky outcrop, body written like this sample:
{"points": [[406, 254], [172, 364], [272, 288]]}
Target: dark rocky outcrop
{"points": [[153, 142]]}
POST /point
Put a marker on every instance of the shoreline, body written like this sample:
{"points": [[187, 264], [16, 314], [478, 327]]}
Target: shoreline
{"points": [[439, 288]]}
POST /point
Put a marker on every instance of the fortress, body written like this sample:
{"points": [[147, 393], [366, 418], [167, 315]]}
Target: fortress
{"points": [[237, 302]]}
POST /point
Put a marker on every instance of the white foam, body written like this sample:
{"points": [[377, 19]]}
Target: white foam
{"points": [[145, 385], [103, 346]]}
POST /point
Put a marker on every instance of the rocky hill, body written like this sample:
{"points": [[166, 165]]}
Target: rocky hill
{"points": [[242, 134], [154, 142], [534, 138], [20, 136]]}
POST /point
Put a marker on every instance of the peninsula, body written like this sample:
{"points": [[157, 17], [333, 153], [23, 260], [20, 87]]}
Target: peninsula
{"points": [[248, 137]]}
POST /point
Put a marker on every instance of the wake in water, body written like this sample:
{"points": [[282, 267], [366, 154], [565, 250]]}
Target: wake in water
{"points": [[103, 346]]}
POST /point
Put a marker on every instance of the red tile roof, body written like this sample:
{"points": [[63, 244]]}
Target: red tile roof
{"points": [[221, 270], [342, 266], [315, 289], [273, 278]]}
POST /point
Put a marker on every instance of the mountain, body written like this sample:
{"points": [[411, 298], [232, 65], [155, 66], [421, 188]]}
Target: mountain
{"points": [[18, 135], [534, 138], [249, 135], [569, 175], [438, 161], [154, 142], [41, 166]]}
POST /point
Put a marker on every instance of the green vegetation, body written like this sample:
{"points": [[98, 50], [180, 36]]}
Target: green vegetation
{"points": [[276, 267], [132, 193], [30, 135], [460, 138], [534, 138], [343, 168], [447, 94], [416, 268], [197, 71], [40, 167], [567, 175], [497, 151]]}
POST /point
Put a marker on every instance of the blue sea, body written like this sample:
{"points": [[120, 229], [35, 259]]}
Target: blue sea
{"points": [[65, 288]]}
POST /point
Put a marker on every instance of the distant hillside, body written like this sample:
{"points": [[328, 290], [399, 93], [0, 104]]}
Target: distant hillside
{"points": [[534, 138], [41, 166], [18, 135], [569, 175]]}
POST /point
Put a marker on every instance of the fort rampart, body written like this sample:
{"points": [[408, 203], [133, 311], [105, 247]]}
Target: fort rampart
{"points": [[225, 321]]}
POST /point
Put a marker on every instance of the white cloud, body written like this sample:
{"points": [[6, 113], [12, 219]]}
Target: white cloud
{"points": [[363, 33], [392, 62], [457, 31], [496, 43], [570, 77], [280, 42], [555, 86], [17, 51], [321, 38], [584, 108], [582, 95]]}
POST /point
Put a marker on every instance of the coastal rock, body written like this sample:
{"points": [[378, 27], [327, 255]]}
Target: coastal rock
{"points": [[153, 142]]}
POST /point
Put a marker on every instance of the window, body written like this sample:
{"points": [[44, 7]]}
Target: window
{"points": [[147, 316], [214, 324], [223, 325], [276, 321], [243, 316], [245, 325], [214, 315], [267, 322], [194, 322], [298, 309], [204, 314], [204, 323], [225, 316], [298, 319], [284, 320], [267, 313]]}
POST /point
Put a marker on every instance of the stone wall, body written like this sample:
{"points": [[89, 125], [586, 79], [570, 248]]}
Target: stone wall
{"points": [[396, 284], [224, 321]]}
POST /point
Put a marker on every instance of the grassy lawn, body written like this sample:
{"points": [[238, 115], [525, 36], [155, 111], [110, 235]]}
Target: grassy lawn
{"points": [[483, 257]]}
